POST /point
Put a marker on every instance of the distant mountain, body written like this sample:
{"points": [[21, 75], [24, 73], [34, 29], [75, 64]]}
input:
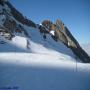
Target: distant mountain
{"points": [[21, 34]]}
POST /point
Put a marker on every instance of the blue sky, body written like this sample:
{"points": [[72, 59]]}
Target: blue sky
{"points": [[74, 13]]}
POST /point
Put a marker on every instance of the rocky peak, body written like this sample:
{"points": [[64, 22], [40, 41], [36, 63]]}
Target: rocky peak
{"points": [[62, 33], [48, 24]]}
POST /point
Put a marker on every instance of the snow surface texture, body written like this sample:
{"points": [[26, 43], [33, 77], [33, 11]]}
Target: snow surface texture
{"points": [[34, 63], [42, 72]]}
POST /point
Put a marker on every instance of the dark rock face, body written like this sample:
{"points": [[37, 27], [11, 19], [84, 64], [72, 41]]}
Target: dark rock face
{"points": [[19, 17], [2, 2], [10, 24], [81, 54], [70, 39], [10, 27], [63, 34]]}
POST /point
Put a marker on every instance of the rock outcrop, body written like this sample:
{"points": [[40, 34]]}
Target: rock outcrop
{"points": [[19, 17], [62, 33], [8, 25]]}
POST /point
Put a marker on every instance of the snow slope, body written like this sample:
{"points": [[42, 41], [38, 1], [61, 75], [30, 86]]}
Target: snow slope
{"points": [[12, 46], [28, 71], [40, 68], [40, 45]]}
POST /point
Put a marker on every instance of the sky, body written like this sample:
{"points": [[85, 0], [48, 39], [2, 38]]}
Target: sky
{"points": [[75, 14]]}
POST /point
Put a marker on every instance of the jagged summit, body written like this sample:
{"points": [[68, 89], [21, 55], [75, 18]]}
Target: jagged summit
{"points": [[49, 37], [62, 33]]}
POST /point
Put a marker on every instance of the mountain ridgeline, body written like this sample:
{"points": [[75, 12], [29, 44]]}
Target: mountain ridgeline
{"points": [[12, 21]]}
